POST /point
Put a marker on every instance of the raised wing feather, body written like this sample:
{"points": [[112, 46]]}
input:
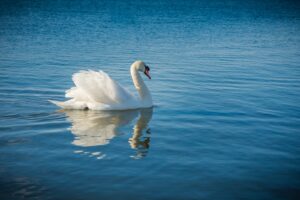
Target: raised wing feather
{"points": [[92, 86]]}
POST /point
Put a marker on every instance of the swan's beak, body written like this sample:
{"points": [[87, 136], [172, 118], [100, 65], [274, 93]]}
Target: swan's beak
{"points": [[147, 73]]}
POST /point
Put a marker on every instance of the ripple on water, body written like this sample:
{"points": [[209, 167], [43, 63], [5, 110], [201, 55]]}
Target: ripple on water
{"points": [[225, 82]]}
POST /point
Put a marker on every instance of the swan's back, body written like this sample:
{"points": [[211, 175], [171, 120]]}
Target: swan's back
{"points": [[97, 87], [96, 90]]}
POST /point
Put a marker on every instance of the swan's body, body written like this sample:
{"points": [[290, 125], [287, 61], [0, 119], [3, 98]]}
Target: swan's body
{"points": [[97, 91]]}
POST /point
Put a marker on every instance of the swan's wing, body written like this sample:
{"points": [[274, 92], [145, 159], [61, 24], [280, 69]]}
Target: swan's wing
{"points": [[92, 86]]}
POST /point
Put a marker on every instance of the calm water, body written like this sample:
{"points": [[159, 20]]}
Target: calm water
{"points": [[226, 87]]}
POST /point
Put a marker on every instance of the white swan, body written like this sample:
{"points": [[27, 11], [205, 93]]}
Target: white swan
{"points": [[97, 91]]}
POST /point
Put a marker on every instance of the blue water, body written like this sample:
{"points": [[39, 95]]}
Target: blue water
{"points": [[225, 84]]}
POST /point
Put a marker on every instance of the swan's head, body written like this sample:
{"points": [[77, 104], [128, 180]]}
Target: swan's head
{"points": [[142, 67]]}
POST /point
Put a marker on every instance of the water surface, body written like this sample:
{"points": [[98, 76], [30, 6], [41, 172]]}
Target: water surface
{"points": [[225, 85]]}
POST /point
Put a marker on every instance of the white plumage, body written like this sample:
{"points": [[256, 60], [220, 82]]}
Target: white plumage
{"points": [[98, 91]]}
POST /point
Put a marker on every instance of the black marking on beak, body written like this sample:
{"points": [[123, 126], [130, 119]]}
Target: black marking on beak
{"points": [[147, 68], [146, 72]]}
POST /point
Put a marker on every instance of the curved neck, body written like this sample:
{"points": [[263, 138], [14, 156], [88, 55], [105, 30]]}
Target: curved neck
{"points": [[142, 124], [140, 85]]}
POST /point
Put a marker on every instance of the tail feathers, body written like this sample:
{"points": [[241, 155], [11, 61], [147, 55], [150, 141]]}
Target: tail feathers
{"points": [[58, 103], [70, 104]]}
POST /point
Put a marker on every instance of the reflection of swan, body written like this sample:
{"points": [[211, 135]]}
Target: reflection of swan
{"points": [[97, 91], [135, 141], [92, 128]]}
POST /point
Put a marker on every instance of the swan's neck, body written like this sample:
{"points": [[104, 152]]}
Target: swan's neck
{"points": [[140, 86]]}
